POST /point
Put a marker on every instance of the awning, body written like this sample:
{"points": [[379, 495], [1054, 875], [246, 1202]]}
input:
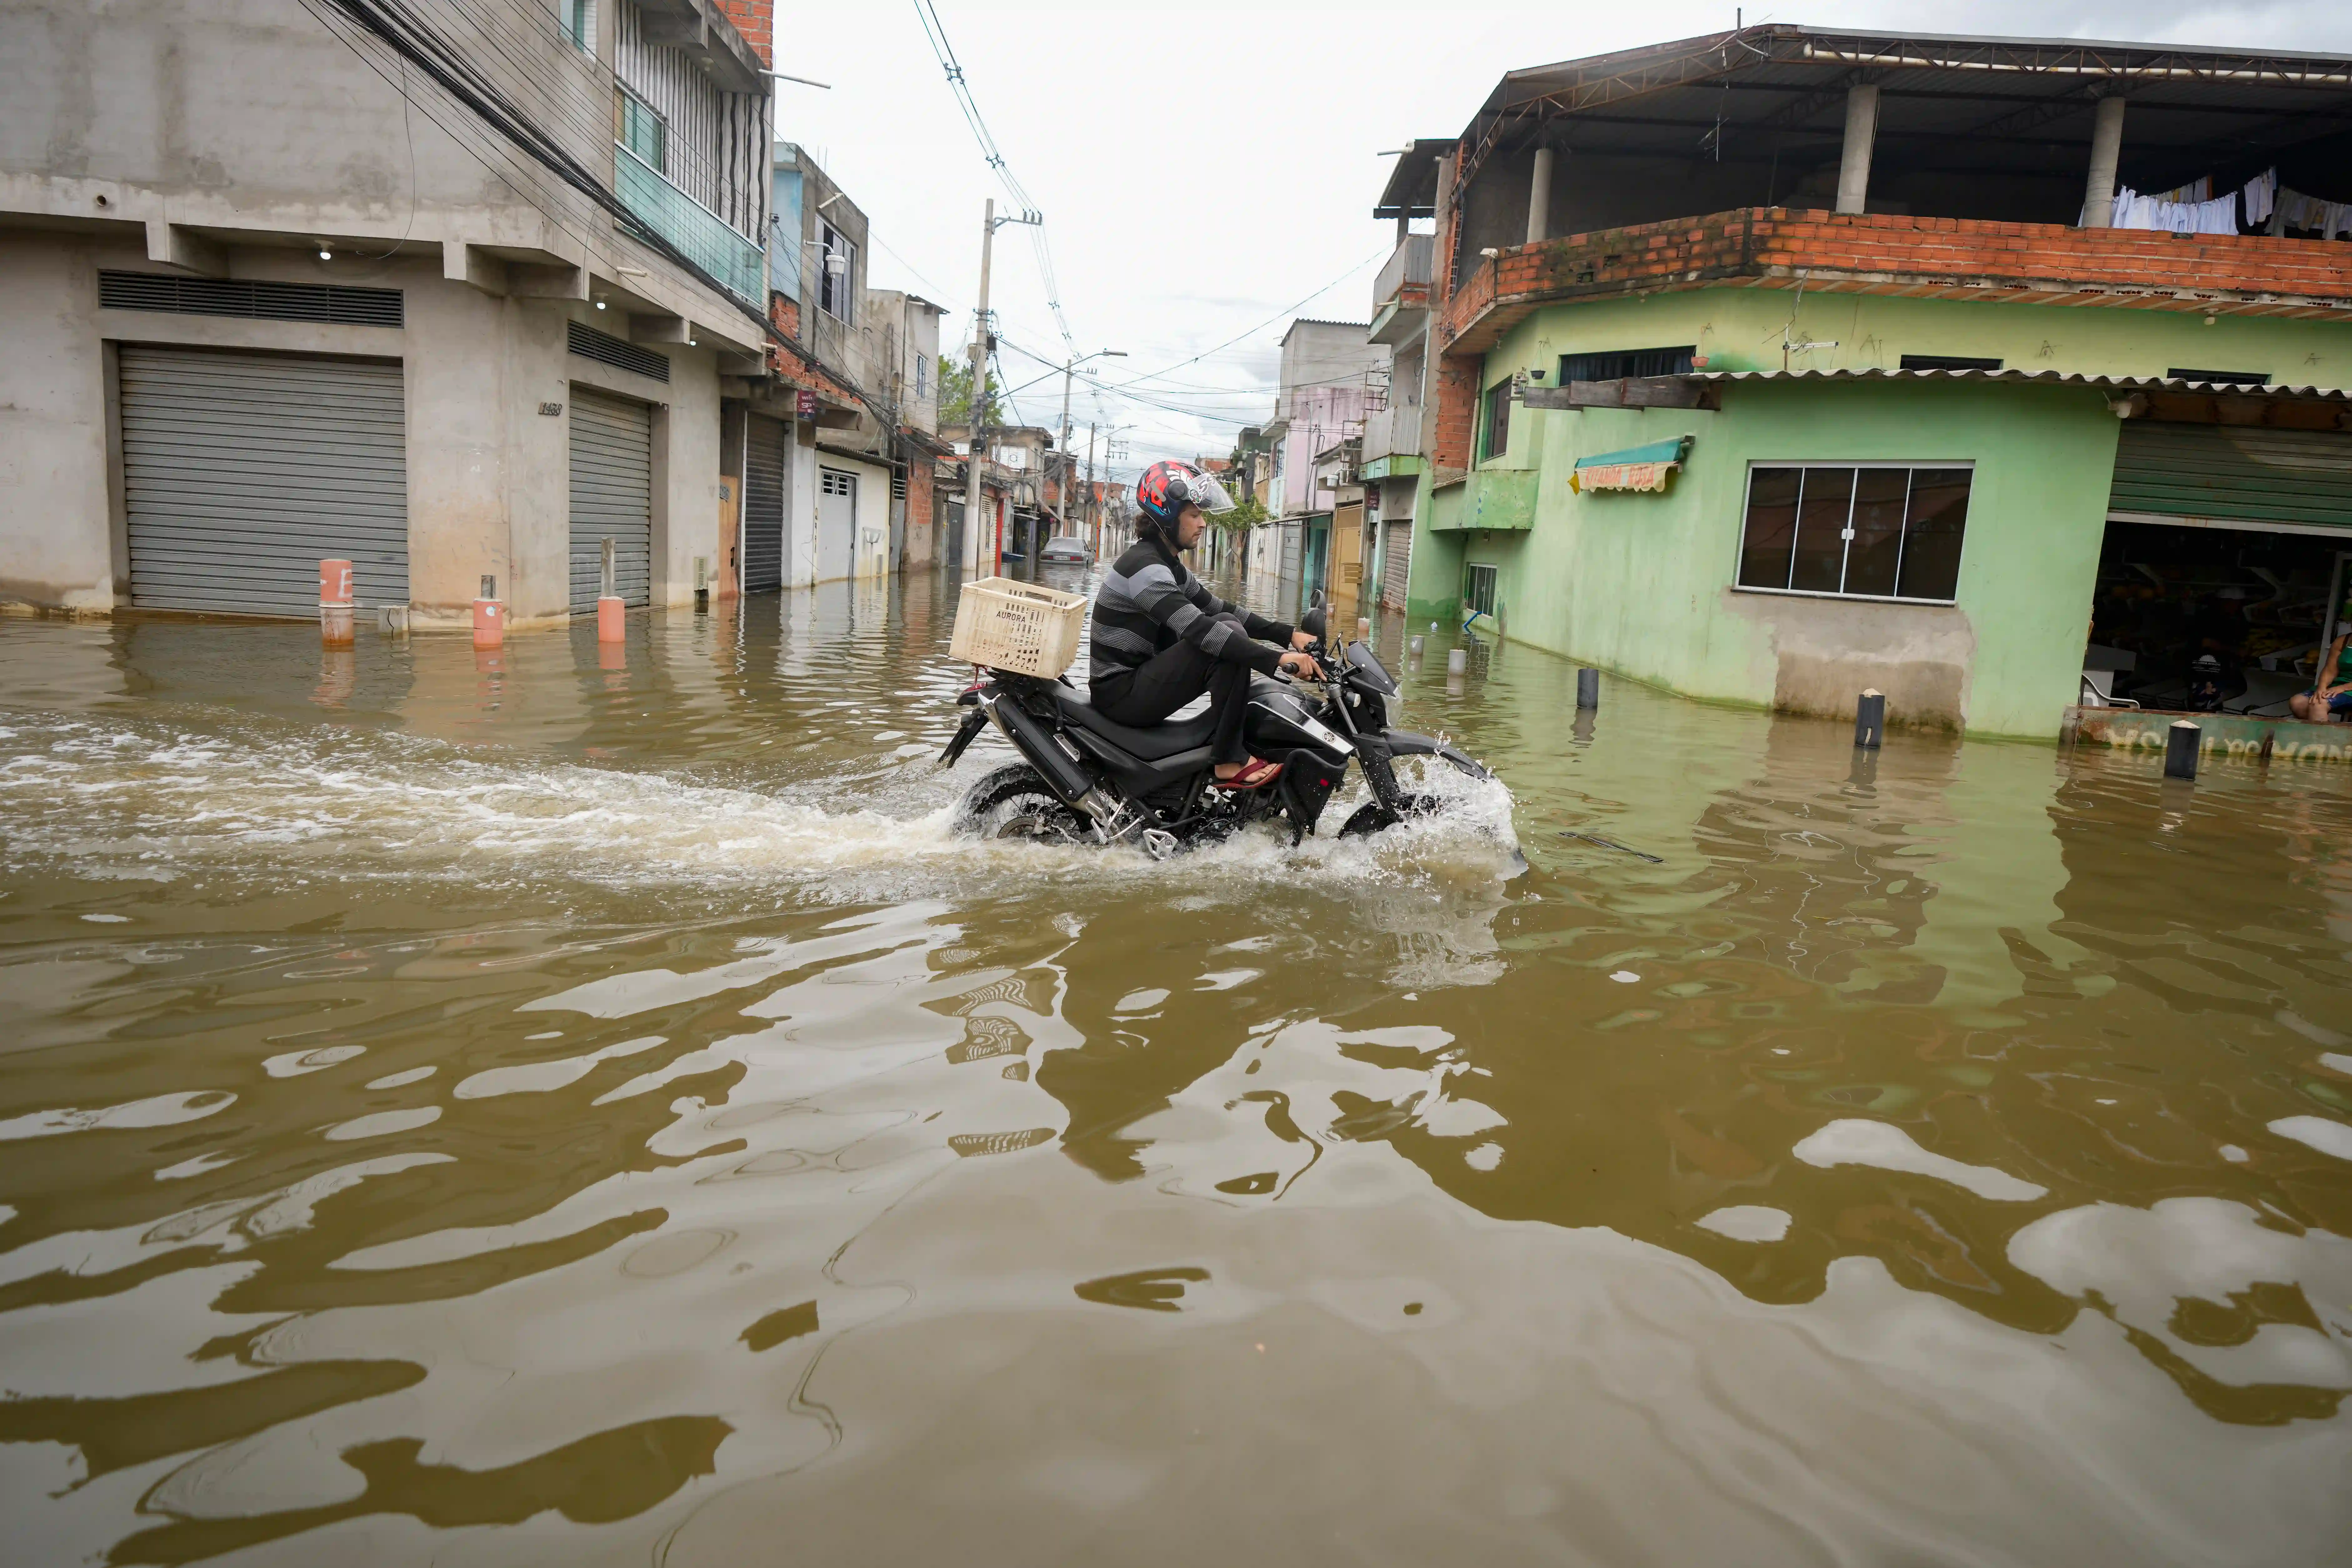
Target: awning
{"points": [[1642, 468]]}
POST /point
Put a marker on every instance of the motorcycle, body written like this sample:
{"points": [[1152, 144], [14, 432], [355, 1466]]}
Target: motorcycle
{"points": [[1086, 779]]}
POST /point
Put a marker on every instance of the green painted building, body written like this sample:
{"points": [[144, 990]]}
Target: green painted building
{"points": [[1949, 442]]}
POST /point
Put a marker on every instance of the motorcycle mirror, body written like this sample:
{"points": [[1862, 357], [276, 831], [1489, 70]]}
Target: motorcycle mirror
{"points": [[1312, 622], [1318, 600]]}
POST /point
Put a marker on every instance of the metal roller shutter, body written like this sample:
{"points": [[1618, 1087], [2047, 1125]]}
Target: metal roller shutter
{"points": [[763, 505], [2299, 478], [612, 497], [1396, 563], [242, 471]]}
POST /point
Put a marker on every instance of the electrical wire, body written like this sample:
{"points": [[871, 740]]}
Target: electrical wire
{"points": [[417, 42], [936, 33], [1269, 321]]}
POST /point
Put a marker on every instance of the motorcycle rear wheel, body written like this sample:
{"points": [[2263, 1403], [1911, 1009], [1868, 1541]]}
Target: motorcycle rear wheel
{"points": [[1015, 802]]}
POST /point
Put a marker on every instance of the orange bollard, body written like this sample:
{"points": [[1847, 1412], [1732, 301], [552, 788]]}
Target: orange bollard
{"points": [[335, 629], [490, 616], [612, 621]]}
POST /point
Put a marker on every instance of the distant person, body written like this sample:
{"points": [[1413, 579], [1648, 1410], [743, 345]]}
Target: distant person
{"points": [[2209, 686], [2329, 700]]}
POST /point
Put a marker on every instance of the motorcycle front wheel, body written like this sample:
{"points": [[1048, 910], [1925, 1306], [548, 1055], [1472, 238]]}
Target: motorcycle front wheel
{"points": [[1015, 803]]}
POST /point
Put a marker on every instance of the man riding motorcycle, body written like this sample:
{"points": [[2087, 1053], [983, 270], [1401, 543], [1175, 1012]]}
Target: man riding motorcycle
{"points": [[1161, 639]]}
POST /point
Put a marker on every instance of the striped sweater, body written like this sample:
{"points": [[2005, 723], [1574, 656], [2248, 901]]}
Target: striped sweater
{"points": [[1149, 603]]}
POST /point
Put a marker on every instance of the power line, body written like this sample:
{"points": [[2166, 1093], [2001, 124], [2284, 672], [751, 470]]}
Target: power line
{"points": [[1269, 321], [936, 32]]}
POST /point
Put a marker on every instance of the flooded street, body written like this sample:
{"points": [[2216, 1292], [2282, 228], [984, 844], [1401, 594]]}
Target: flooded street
{"points": [[500, 1109]]}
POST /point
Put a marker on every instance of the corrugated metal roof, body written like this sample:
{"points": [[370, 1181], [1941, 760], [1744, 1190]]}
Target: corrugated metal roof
{"points": [[2039, 378], [1950, 104]]}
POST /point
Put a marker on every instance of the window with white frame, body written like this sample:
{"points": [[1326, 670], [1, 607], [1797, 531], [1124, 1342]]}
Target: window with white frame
{"points": [[836, 276], [923, 378], [1860, 530], [577, 18]]}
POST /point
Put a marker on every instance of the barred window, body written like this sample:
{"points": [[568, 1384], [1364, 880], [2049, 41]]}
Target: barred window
{"points": [[1866, 531]]}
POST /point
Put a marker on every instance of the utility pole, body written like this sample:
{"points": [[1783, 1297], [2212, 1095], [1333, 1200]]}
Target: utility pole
{"points": [[983, 340], [1094, 515], [978, 410]]}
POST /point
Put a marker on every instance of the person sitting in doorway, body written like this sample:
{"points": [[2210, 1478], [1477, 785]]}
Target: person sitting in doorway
{"points": [[2329, 700], [2210, 685]]}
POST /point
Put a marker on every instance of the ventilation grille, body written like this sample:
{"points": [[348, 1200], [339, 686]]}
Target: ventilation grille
{"points": [[1947, 362], [898, 486], [250, 297], [606, 349], [2234, 378]]}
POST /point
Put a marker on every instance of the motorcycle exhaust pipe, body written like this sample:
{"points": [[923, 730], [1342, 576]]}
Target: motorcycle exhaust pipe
{"points": [[1045, 753]]}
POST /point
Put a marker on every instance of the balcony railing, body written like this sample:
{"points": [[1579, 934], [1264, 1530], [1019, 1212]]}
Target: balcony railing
{"points": [[701, 235], [1411, 264], [1392, 432]]}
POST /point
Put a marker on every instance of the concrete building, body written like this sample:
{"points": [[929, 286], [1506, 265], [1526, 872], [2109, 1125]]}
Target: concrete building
{"points": [[1893, 378], [851, 410], [1330, 378], [454, 292]]}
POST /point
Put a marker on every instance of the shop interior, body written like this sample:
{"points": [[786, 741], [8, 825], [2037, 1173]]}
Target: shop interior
{"points": [[2255, 601]]}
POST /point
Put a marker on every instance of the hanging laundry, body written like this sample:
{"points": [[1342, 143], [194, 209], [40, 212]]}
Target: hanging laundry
{"points": [[2200, 189], [2133, 210], [2294, 210], [2261, 197]]}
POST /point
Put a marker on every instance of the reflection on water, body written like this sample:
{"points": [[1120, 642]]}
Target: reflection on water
{"points": [[546, 1105]]}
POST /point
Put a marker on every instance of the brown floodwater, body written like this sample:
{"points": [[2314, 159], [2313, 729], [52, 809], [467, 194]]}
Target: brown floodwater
{"points": [[545, 1107]]}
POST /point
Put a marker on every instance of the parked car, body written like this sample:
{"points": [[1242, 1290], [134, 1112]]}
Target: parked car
{"points": [[1068, 550]]}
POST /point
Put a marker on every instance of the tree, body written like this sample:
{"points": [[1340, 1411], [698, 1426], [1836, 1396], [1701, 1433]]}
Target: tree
{"points": [[955, 392], [1246, 515]]}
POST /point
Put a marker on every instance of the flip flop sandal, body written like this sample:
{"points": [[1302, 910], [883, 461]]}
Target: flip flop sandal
{"points": [[1255, 773]]}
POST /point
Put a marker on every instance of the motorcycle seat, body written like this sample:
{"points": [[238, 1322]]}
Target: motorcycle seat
{"points": [[1151, 742]]}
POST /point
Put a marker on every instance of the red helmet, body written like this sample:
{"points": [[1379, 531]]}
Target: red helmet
{"points": [[1168, 488]]}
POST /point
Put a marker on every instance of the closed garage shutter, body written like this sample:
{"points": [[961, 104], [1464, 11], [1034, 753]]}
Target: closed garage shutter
{"points": [[764, 504], [241, 472], [2301, 478], [1396, 562], [612, 497]]}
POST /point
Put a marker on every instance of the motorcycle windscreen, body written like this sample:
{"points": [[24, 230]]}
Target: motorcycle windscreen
{"points": [[1368, 664]]}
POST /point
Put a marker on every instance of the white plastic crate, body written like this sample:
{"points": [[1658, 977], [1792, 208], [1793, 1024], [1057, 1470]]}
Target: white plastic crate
{"points": [[1005, 624]]}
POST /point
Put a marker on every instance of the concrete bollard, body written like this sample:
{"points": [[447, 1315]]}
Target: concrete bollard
{"points": [[490, 616], [335, 609], [1413, 648], [1457, 661], [612, 615], [395, 619], [1870, 719], [1363, 628], [702, 585], [2181, 743], [1587, 688]]}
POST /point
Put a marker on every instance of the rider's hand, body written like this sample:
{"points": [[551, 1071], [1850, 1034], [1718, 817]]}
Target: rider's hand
{"points": [[1302, 641], [1302, 665]]}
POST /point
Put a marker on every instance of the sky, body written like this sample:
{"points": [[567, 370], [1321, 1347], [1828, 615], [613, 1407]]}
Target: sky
{"points": [[1207, 171]]}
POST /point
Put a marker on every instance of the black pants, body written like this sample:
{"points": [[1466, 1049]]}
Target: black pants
{"points": [[1174, 676]]}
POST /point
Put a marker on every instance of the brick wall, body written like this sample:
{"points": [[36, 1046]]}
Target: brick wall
{"points": [[756, 20], [1920, 257], [1453, 411], [921, 541]]}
